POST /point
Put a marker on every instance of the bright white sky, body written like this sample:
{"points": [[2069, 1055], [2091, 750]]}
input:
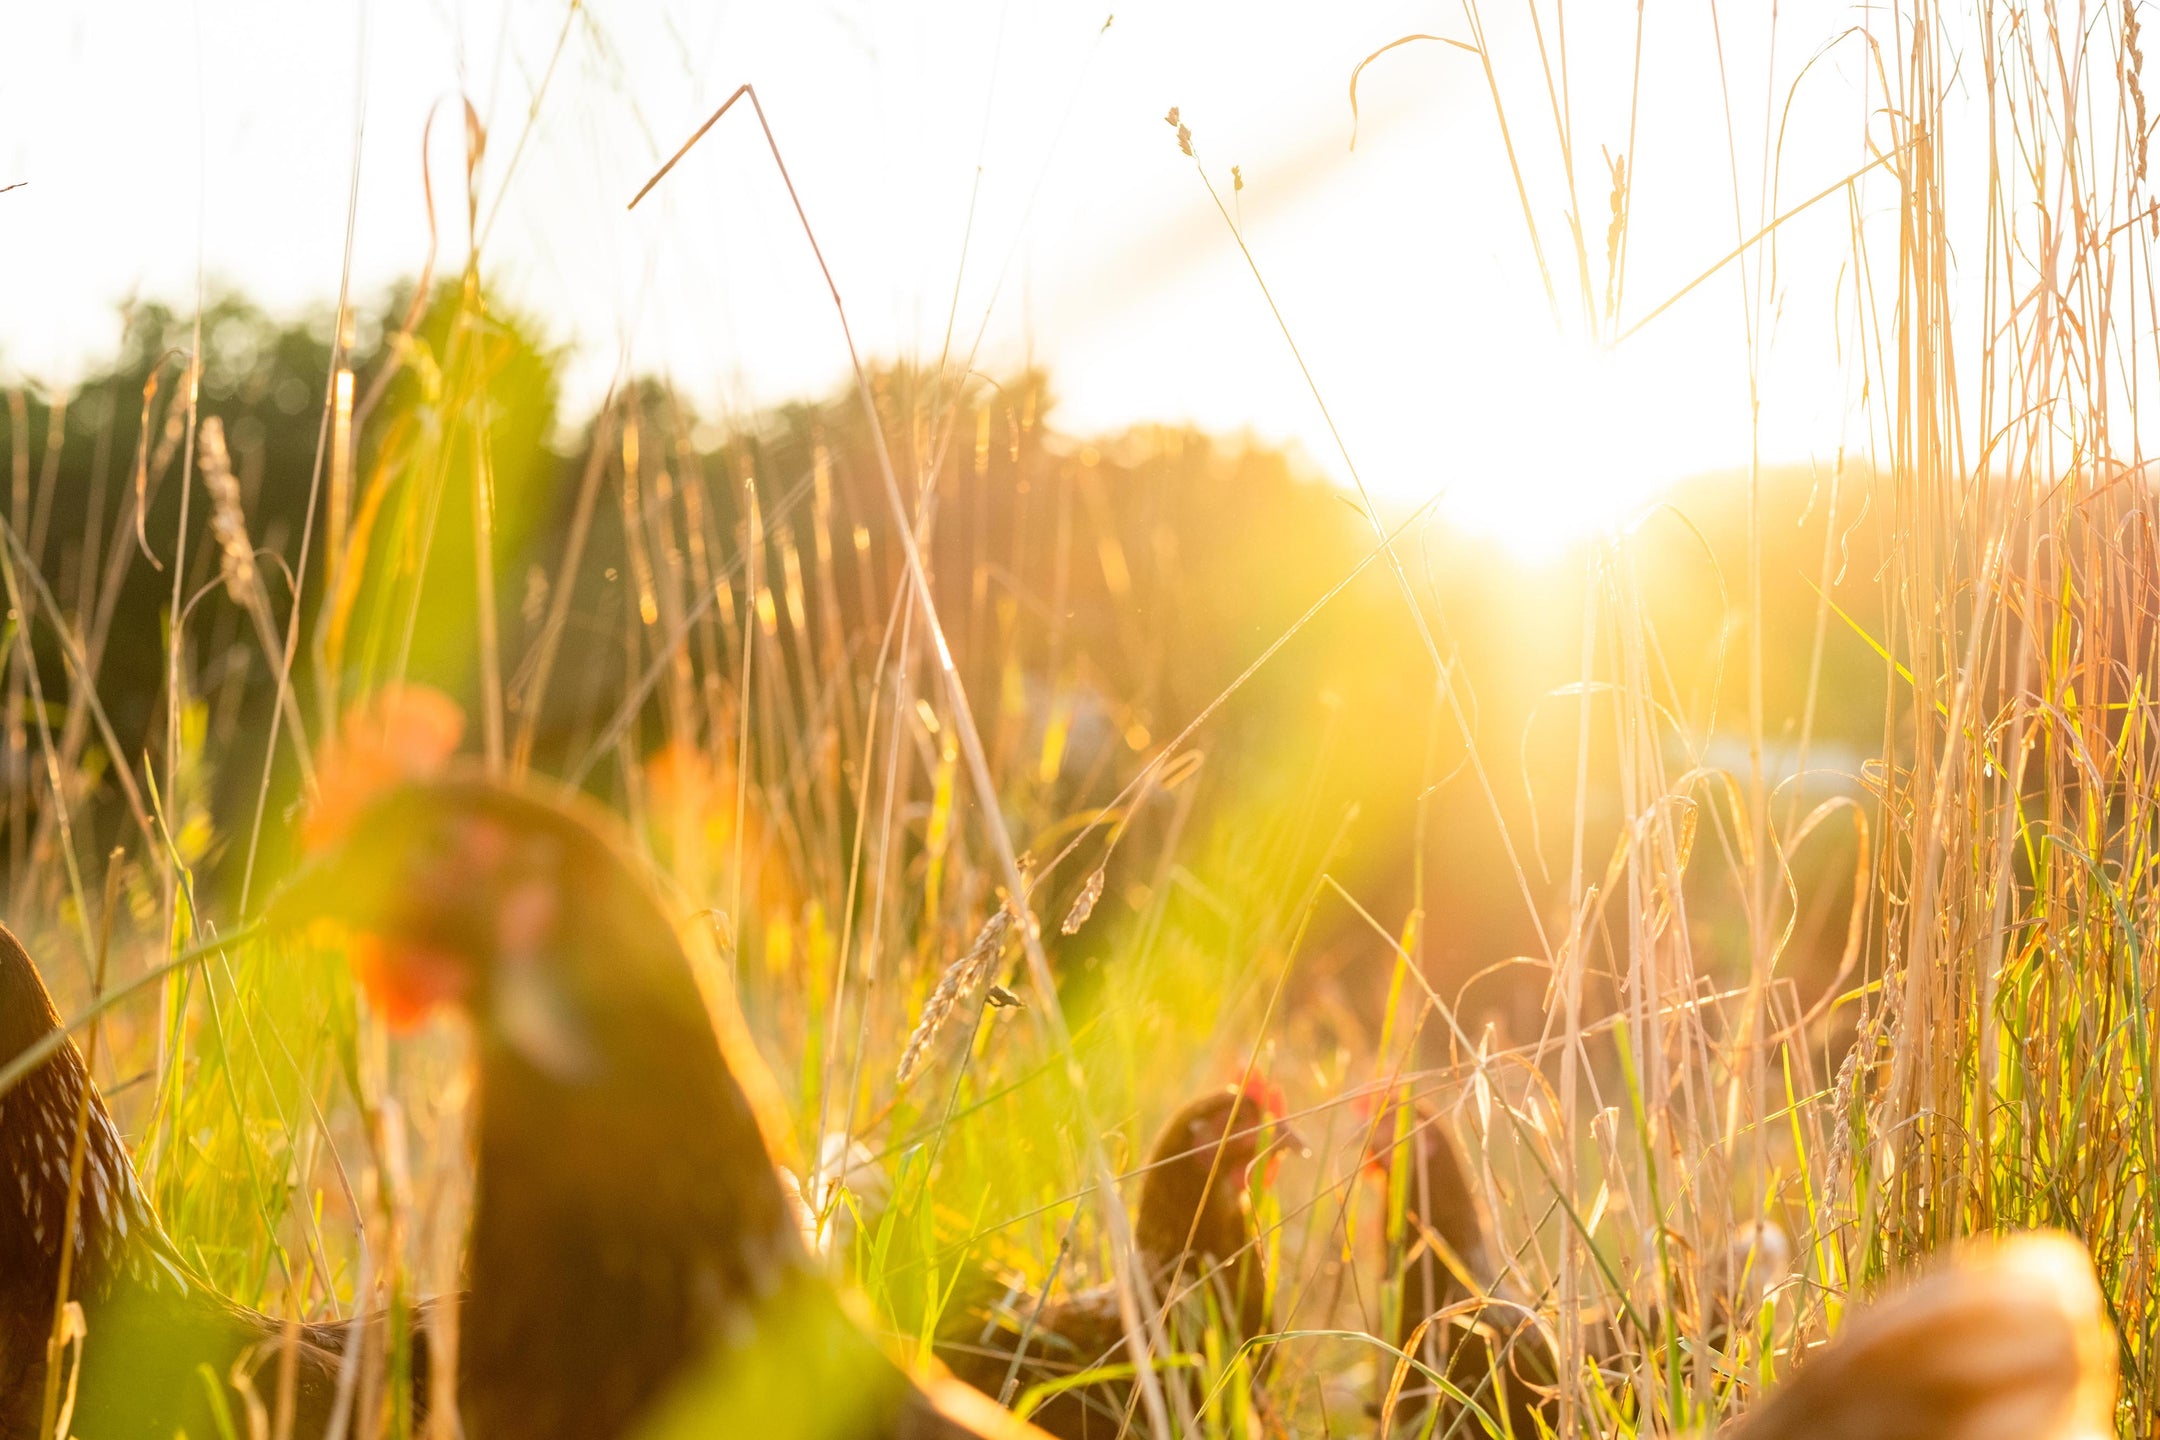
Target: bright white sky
{"points": [[155, 132]]}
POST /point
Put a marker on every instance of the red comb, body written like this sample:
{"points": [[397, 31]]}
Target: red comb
{"points": [[1260, 1091], [401, 732]]}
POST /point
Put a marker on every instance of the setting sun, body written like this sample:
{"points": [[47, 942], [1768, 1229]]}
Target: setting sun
{"points": [[1577, 444]]}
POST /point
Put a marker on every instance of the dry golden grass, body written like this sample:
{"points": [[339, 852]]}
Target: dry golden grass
{"points": [[847, 674]]}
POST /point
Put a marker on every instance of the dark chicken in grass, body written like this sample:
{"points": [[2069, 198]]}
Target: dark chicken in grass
{"points": [[1490, 1348], [1194, 1231], [633, 1262], [153, 1326]]}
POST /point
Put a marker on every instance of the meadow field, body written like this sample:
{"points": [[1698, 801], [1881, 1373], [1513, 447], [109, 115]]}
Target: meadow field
{"points": [[1759, 884]]}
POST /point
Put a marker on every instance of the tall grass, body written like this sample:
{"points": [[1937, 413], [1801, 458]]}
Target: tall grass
{"points": [[2005, 1071], [1945, 1027]]}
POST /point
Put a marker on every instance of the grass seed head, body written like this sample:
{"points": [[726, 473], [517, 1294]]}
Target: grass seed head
{"points": [[1083, 904], [236, 557], [958, 982]]}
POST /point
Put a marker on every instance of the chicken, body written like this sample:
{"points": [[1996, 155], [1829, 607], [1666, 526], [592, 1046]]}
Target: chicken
{"points": [[2009, 1341], [633, 1261], [153, 1326], [1491, 1347], [1194, 1231]]}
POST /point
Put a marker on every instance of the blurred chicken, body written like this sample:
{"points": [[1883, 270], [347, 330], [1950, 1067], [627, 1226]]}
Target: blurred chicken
{"points": [[1456, 1315], [634, 1262], [1194, 1231], [1451, 1278], [2009, 1341], [152, 1324]]}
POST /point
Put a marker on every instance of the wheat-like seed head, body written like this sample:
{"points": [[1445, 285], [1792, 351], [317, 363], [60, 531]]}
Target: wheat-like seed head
{"points": [[236, 556]]}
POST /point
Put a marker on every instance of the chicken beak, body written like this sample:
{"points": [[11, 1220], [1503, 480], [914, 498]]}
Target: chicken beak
{"points": [[1269, 1159]]}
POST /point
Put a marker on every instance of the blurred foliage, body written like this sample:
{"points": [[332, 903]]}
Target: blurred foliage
{"points": [[1098, 595], [659, 577]]}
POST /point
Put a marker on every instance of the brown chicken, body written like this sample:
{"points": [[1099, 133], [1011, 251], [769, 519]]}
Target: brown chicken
{"points": [[633, 1262], [1491, 1348], [2010, 1341], [1193, 1229], [152, 1324]]}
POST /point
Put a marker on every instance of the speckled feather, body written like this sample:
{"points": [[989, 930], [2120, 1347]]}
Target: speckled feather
{"points": [[151, 1319], [118, 1238]]}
